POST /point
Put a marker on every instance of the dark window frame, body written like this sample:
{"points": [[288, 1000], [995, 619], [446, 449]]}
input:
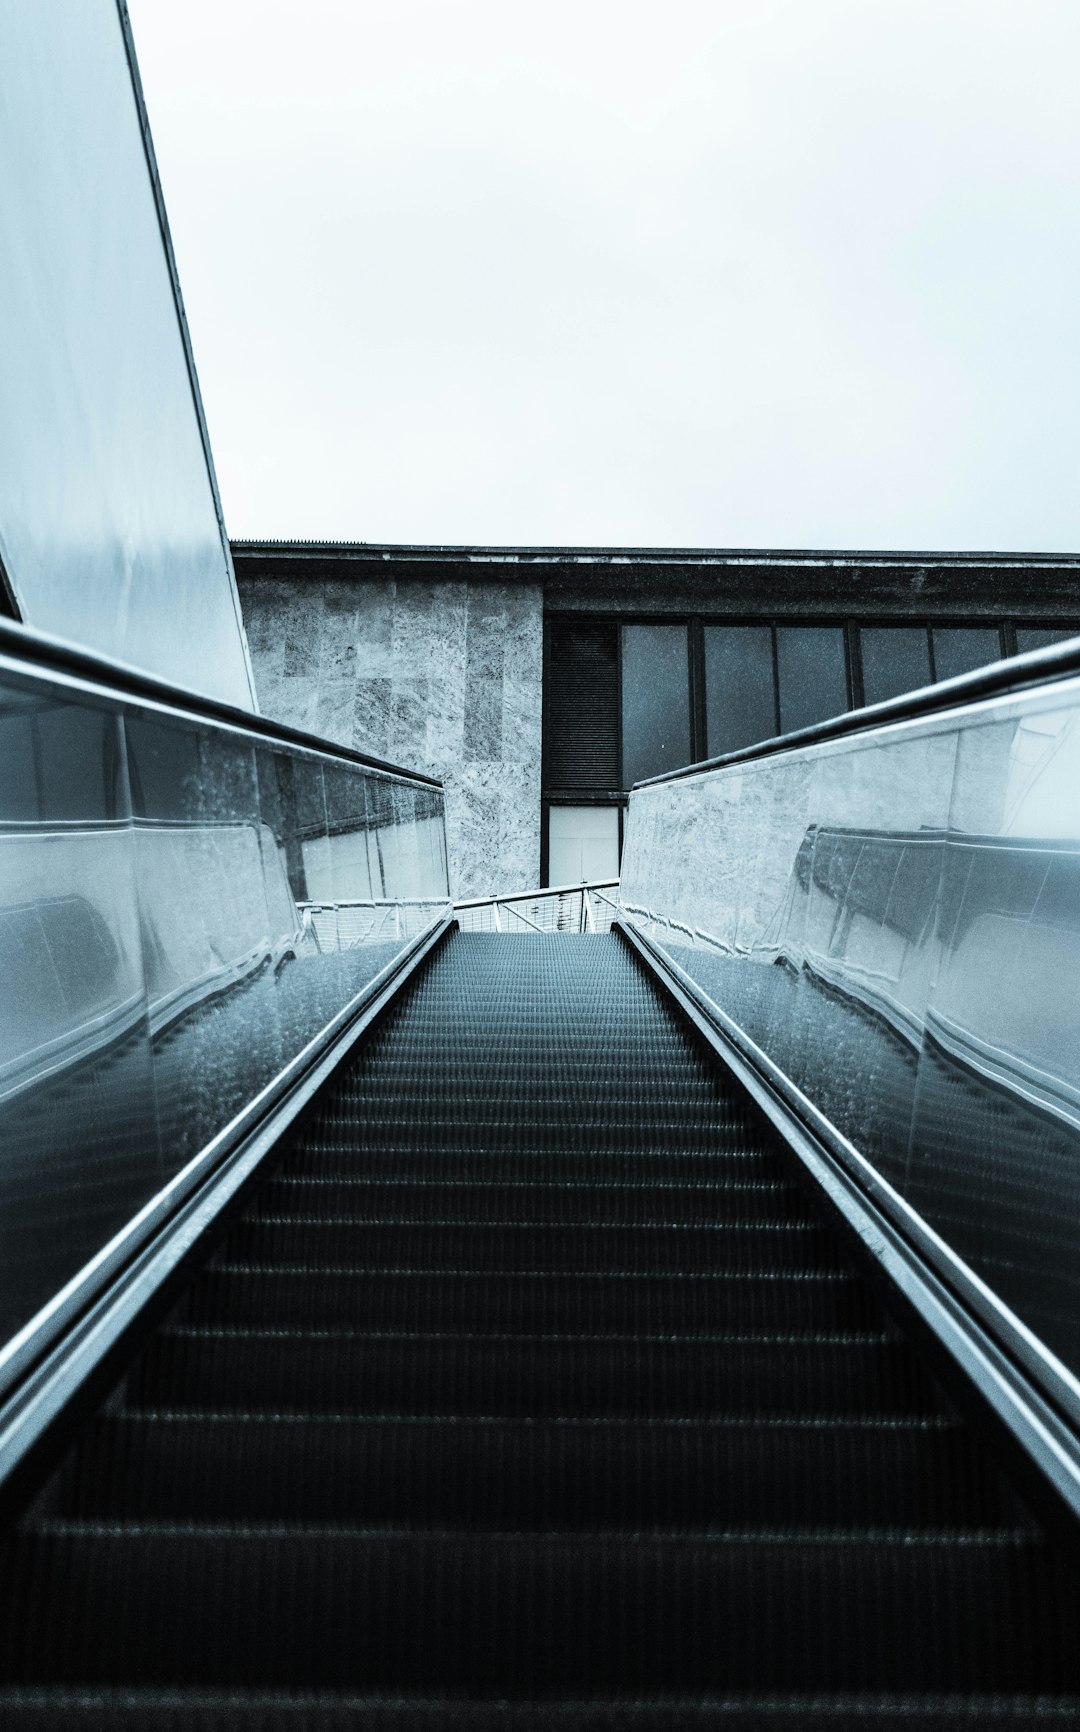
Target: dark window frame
{"points": [[1005, 629], [1065, 625], [556, 619], [687, 621], [829, 622], [894, 624], [696, 622], [705, 622]]}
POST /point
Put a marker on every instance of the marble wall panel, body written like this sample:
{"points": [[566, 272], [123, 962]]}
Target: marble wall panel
{"points": [[376, 604], [444, 731], [408, 720], [443, 677], [484, 661], [371, 715]]}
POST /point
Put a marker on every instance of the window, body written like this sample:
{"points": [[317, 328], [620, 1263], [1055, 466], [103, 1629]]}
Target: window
{"points": [[959, 649], [895, 659], [625, 699], [740, 698], [813, 674], [581, 704], [583, 844], [1032, 637], [655, 701]]}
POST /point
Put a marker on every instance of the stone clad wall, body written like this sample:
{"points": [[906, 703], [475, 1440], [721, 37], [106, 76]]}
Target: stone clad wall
{"points": [[443, 677]]}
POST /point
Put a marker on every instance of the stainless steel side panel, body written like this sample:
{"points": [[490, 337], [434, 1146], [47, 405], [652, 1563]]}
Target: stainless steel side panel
{"points": [[109, 527]]}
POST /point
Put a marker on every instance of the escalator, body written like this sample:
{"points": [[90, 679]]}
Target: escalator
{"points": [[532, 1383]]}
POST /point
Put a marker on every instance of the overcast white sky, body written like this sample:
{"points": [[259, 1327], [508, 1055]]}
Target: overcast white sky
{"points": [[743, 273]]}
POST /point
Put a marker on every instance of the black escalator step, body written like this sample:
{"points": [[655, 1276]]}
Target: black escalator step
{"points": [[590, 1302], [479, 1102], [532, 1392], [342, 1159], [546, 1376], [535, 1475], [679, 1097], [41, 1710], [510, 1121], [521, 1200], [533, 1138], [771, 1245], [531, 1069], [538, 1068], [630, 1029], [506, 1025], [526, 1060], [334, 1608]]}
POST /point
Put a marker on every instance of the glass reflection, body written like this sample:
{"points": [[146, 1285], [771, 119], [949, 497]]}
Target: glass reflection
{"points": [[183, 909], [740, 695], [1033, 637], [655, 700], [895, 659], [206, 933], [895, 919], [961, 649], [77, 1108], [812, 668]]}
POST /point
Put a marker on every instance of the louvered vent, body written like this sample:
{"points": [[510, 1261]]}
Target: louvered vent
{"points": [[581, 704]]}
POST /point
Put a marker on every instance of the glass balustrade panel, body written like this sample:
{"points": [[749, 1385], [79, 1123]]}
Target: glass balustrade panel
{"points": [[894, 919], [186, 908]]}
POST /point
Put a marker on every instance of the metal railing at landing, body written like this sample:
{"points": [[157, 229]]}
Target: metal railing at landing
{"points": [[569, 908]]}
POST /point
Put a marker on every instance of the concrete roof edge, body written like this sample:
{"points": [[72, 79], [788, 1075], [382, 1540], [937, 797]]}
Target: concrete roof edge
{"points": [[371, 551]]}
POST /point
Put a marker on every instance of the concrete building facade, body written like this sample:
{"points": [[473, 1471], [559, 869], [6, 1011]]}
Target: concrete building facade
{"points": [[540, 683]]}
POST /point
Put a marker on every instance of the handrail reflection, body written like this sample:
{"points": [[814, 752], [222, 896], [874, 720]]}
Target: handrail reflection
{"points": [[179, 890], [891, 913]]}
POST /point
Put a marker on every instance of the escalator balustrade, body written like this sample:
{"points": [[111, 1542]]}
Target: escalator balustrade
{"points": [[533, 1387]]}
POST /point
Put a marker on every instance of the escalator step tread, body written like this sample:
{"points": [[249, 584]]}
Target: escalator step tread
{"points": [[503, 1247], [263, 1711], [867, 1609], [532, 1388], [534, 1302], [488, 1473], [349, 1371]]}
